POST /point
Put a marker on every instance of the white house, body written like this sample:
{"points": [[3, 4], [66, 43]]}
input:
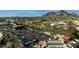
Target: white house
{"points": [[1, 36]]}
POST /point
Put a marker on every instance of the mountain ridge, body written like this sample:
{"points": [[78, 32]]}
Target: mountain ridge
{"points": [[59, 13]]}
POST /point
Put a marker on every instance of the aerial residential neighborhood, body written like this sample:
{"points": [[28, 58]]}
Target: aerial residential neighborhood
{"points": [[59, 29]]}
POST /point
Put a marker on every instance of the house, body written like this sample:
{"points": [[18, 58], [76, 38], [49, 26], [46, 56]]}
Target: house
{"points": [[64, 37], [76, 24], [42, 42], [52, 24], [1, 36], [55, 44], [77, 28]]}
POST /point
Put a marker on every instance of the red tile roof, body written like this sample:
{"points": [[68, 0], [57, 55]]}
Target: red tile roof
{"points": [[66, 37], [41, 42]]}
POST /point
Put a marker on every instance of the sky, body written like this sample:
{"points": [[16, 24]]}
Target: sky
{"points": [[9, 13]]}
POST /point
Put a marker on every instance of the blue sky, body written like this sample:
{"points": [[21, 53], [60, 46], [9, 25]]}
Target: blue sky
{"points": [[7, 13]]}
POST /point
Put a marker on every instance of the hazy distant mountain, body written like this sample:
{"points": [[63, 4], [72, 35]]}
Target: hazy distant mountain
{"points": [[60, 13]]}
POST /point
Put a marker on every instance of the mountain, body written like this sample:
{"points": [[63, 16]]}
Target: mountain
{"points": [[59, 13]]}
